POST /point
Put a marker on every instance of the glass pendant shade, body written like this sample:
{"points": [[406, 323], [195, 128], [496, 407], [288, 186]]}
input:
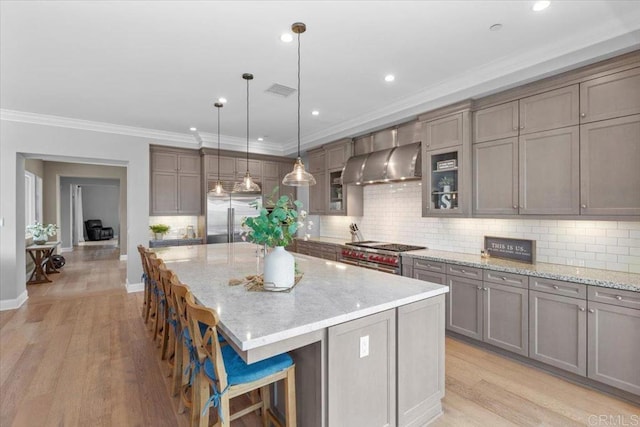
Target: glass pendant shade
{"points": [[247, 185], [218, 190], [298, 177]]}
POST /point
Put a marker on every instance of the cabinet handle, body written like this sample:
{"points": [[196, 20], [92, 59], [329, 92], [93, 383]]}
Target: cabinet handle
{"points": [[479, 288], [556, 287], [581, 308], [591, 310], [618, 297], [463, 270], [515, 206], [485, 289], [504, 278], [521, 127], [515, 128], [583, 115], [583, 206]]}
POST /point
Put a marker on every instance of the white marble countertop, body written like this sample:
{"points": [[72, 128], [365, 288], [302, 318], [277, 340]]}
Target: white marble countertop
{"points": [[328, 294], [587, 276]]}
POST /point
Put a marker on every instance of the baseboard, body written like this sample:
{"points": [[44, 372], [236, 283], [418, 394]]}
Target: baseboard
{"points": [[134, 287], [63, 250], [123, 257], [12, 304]]}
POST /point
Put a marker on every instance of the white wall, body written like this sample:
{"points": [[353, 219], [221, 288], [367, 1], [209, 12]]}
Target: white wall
{"points": [[393, 213], [72, 145]]}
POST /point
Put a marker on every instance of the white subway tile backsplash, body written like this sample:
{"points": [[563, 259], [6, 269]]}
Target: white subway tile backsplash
{"points": [[392, 212]]}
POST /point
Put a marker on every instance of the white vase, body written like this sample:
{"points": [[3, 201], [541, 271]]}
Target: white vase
{"points": [[446, 188], [279, 268]]}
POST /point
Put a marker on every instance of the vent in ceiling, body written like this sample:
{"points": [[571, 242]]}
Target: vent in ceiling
{"points": [[280, 90]]}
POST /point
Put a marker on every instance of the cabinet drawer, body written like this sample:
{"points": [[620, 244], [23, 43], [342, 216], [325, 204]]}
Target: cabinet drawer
{"points": [[614, 296], [510, 279], [429, 265], [430, 276], [569, 289], [464, 271]]}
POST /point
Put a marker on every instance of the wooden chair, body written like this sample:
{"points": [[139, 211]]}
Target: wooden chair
{"points": [[221, 375], [185, 353], [146, 279], [170, 327], [158, 299]]}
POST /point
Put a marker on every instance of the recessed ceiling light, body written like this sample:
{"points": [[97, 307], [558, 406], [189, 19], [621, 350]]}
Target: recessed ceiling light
{"points": [[495, 27], [222, 100], [540, 5], [315, 112], [389, 78], [286, 37], [261, 139], [193, 129]]}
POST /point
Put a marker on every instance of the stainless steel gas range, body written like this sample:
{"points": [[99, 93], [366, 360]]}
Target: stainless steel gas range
{"points": [[375, 255]]}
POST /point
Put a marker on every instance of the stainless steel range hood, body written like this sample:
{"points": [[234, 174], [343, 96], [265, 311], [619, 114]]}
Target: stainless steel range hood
{"points": [[392, 164]]}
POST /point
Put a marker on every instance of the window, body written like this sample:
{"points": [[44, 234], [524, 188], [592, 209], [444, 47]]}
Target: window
{"points": [[32, 198]]}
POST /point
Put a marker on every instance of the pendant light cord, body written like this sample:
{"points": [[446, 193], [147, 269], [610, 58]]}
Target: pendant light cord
{"points": [[298, 95], [247, 125], [218, 144]]}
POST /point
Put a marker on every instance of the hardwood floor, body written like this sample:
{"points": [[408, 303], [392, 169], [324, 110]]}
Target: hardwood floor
{"points": [[78, 354]]}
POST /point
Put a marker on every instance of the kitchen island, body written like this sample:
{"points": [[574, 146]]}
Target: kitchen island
{"points": [[368, 346]]}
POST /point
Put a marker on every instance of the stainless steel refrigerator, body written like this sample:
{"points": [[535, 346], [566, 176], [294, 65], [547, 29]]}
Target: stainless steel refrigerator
{"points": [[224, 216]]}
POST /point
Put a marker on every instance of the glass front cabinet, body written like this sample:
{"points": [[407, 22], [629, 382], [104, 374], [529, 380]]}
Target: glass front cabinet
{"points": [[446, 174]]}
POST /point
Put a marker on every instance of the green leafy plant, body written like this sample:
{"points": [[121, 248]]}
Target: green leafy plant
{"points": [[159, 228], [445, 180], [276, 227]]}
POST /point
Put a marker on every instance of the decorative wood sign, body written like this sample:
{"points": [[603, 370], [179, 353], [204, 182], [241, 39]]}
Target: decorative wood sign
{"points": [[516, 249], [446, 164]]}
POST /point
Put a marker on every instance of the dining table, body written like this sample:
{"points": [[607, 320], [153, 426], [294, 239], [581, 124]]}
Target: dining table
{"points": [[364, 342]]}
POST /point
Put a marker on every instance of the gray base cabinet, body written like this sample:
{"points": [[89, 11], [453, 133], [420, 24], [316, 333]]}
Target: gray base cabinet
{"points": [[420, 362], [614, 346], [506, 318], [464, 306], [558, 331], [362, 390]]}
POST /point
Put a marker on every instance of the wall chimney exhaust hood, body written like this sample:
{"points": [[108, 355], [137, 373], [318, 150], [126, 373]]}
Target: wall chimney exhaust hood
{"points": [[389, 165]]}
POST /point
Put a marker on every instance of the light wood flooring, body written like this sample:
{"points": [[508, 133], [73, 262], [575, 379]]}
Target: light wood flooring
{"points": [[78, 354]]}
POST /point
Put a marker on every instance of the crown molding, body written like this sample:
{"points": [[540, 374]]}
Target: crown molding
{"points": [[158, 136], [210, 140]]}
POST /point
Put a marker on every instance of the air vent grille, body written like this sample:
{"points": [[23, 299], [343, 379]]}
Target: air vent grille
{"points": [[280, 90]]}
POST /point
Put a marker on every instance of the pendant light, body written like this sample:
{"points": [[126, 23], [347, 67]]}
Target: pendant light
{"points": [[218, 190], [298, 177], [247, 185]]}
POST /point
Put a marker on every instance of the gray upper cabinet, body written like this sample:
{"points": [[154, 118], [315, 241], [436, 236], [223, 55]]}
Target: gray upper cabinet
{"points": [[549, 172], [495, 177], [337, 154], [614, 345], [558, 331], [227, 165], [318, 194], [615, 95], [500, 121], [255, 168], [317, 161], [270, 169], [550, 110], [176, 183], [609, 163], [444, 132]]}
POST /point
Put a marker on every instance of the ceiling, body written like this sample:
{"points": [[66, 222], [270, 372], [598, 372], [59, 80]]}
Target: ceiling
{"points": [[160, 65]]}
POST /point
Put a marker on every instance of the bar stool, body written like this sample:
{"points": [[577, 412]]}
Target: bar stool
{"points": [[159, 302], [170, 327], [221, 374], [146, 279]]}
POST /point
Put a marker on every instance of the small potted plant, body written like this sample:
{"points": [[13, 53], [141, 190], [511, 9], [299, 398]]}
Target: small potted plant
{"points": [[159, 230], [41, 232], [276, 229], [445, 183]]}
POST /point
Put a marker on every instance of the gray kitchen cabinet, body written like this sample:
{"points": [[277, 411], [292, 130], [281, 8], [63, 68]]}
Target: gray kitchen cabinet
{"points": [[558, 331], [268, 185], [269, 169], [227, 165], [558, 287], [505, 318], [285, 190], [176, 186], [549, 110], [255, 168], [317, 161], [444, 132], [495, 177], [362, 390], [429, 276], [448, 164], [318, 194], [497, 122], [614, 345], [464, 306], [337, 153], [420, 363], [609, 159], [549, 174], [611, 96]]}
